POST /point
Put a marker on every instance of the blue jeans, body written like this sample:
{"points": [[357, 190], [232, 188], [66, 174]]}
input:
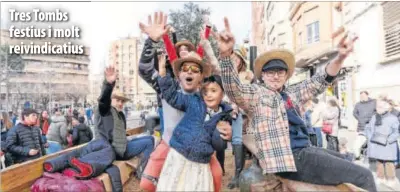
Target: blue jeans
{"points": [[318, 132], [237, 130], [139, 145], [160, 113], [54, 147], [89, 120]]}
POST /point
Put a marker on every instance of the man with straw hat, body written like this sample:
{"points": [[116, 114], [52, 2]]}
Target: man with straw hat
{"points": [[111, 123], [282, 143]]}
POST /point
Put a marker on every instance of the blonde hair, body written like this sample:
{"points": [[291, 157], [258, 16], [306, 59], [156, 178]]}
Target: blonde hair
{"points": [[6, 119]]}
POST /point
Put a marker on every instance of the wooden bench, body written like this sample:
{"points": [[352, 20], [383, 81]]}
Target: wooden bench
{"points": [[20, 177], [126, 168]]}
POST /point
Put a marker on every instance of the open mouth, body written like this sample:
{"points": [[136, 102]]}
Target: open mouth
{"points": [[189, 79]]}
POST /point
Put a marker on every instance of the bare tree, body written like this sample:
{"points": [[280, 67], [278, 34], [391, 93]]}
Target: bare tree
{"points": [[77, 92], [17, 94]]}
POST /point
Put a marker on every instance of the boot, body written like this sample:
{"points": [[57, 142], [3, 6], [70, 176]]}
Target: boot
{"points": [[221, 160], [141, 167], [239, 164]]}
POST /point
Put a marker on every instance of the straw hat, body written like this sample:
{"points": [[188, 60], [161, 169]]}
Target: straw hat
{"points": [[186, 43], [117, 94], [195, 58], [282, 54], [241, 53]]}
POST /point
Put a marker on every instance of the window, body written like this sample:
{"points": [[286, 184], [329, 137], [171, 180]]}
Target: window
{"points": [[313, 32], [391, 26], [131, 72], [282, 45]]}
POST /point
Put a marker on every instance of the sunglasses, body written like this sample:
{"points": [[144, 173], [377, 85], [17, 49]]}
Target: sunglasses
{"points": [[193, 68]]}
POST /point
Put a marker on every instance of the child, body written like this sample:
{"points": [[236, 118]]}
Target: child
{"points": [[196, 137], [343, 149]]}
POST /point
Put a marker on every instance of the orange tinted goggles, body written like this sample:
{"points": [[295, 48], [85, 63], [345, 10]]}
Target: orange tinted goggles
{"points": [[193, 68]]}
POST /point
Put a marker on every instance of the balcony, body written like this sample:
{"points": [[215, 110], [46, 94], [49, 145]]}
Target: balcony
{"points": [[315, 53]]}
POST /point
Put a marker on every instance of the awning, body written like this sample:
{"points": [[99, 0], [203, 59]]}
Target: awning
{"points": [[322, 57]]}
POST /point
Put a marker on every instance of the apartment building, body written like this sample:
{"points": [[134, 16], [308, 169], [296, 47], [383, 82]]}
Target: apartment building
{"points": [[95, 84], [45, 81], [258, 26], [376, 55], [124, 54], [377, 52], [278, 27]]}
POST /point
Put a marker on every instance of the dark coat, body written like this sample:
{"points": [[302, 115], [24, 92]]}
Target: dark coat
{"points": [[104, 121], [363, 112], [148, 67], [21, 139], [81, 134]]}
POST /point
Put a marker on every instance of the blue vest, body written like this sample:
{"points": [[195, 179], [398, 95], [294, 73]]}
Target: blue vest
{"points": [[297, 128]]}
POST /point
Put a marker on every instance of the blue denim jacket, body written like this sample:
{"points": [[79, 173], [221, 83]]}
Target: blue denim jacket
{"points": [[193, 137]]}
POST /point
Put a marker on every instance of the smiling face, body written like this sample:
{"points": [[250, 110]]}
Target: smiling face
{"points": [[190, 76], [275, 78], [212, 94]]}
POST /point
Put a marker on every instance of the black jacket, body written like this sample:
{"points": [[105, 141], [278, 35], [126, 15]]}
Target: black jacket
{"points": [[21, 139], [104, 121], [81, 134], [148, 67]]}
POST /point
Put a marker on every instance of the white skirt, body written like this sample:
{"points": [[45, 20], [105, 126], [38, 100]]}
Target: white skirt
{"points": [[180, 174]]}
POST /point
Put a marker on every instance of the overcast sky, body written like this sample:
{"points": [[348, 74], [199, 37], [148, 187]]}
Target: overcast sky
{"points": [[103, 22]]}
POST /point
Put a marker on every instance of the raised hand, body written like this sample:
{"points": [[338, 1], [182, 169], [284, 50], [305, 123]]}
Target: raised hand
{"points": [[110, 74], [345, 47], [158, 28], [225, 40]]}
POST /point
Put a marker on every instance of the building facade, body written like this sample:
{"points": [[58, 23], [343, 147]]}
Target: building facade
{"points": [[258, 26], [125, 55], [376, 54], [44, 81], [278, 27], [95, 84]]}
